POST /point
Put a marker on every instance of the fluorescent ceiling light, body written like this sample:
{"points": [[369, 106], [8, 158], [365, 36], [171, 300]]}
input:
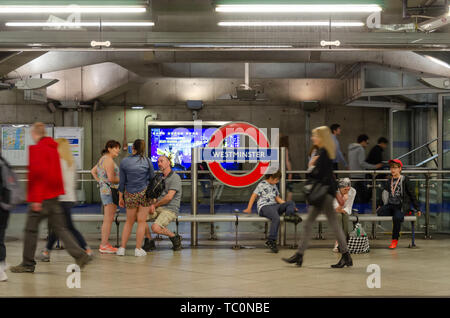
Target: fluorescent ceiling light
{"points": [[72, 9], [232, 46], [276, 8], [437, 61], [291, 23], [78, 24], [137, 107]]}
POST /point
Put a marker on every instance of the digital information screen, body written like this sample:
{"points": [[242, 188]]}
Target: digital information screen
{"points": [[176, 143]]}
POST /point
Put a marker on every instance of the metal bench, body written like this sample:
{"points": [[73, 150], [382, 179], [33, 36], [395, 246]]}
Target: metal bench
{"points": [[241, 217]]}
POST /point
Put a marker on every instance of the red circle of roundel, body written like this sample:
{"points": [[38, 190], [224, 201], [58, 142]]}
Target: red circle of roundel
{"points": [[242, 180]]}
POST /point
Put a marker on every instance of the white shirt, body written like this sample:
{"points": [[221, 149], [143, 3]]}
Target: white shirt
{"points": [[348, 205], [68, 174]]}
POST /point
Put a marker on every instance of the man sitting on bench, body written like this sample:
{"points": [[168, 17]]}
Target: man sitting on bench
{"points": [[271, 206], [167, 206], [397, 196]]}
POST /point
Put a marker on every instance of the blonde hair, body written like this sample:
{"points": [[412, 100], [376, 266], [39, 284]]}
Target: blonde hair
{"points": [[39, 129], [64, 151], [324, 134]]}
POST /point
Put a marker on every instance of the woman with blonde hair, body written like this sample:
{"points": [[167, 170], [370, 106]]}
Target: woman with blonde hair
{"points": [[322, 173], [67, 200]]}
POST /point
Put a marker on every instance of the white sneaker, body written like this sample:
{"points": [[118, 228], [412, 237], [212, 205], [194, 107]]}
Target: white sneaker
{"points": [[3, 277], [120, 251], [139, 252]]}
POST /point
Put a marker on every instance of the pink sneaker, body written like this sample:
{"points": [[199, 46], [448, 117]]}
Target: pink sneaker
{"points": [[107, 249]]}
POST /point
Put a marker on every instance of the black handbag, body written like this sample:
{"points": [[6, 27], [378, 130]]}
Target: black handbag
{"points": [[315, 192], [155, 187], [114, 194]]}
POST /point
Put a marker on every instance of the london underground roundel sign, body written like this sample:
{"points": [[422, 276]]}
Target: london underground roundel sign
{"points": [[214, 154]]}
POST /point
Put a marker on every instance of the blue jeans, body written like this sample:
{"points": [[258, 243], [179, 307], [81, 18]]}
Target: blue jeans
{"points": [[397, 217], [273, 212], [4, 216], [52, 237]]}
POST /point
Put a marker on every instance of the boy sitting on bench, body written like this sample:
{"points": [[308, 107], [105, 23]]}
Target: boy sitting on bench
{"points": [[397, 196], [271, 206]]}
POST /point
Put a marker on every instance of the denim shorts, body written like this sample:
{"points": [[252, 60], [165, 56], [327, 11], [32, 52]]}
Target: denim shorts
{"points": [[106, 199]]}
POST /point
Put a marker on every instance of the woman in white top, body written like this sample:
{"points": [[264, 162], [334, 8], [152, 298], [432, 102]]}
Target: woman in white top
{"points": [[67, 200], [345, 210]]}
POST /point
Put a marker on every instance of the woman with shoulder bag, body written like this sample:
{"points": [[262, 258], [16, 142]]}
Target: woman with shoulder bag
{"points": [[322, 178], [136, 171], [106, 173]]}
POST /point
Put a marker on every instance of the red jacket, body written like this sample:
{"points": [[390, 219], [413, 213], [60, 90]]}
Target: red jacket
{"points": [[44, 171]]}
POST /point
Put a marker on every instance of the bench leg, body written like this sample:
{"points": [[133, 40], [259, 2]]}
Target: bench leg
{"points": [[212, 234], [319, 234], [413, 235], [236, 246], [117, 233], [295, 245]]}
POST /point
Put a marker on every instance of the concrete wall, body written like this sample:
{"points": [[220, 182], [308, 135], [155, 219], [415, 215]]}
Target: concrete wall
{"points": [[166, 98]]}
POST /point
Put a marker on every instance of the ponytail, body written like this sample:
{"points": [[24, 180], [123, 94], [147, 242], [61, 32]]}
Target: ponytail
{"points": [[139, 147], [110, 144]]}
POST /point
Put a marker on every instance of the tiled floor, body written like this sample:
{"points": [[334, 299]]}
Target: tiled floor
{"points": [[217, 270], [214, 269]]}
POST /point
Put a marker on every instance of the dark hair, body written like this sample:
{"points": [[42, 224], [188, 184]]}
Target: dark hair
{"points": [[382, 140], [110, 144], [139, 147], [284, 141], [362, 138], [276, 175], [334, 127]]}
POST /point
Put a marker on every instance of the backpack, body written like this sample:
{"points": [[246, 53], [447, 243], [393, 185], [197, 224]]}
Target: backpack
{"points": [[11, 192], [155, 187]]}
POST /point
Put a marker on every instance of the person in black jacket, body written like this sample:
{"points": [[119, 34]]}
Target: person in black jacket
{"points": [[399, 197], [376, 153], [4, 217], [322, 172]]}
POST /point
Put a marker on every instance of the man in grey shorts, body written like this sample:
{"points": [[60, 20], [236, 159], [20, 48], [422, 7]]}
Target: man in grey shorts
{"points": [[167, 206]]}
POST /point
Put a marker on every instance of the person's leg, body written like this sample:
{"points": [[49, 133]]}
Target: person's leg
{"points": [[57, 220], [345, 219], [148, 234], [271, 212], [67, 207], [31, 234], [4, 216], [108, 219], [287, 207], [333, 222], [164, 217], [397, 219], [142, 214], [313, 212], [128, 227]]}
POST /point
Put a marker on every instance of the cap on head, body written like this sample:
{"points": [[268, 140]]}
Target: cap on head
{"points": [[397, 162]]}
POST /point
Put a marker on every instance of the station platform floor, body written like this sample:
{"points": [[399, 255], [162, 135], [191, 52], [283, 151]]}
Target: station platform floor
{"points": [[214, 269]]}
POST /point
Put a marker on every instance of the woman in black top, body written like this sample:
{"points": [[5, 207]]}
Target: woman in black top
{"points": [[322, 171]]}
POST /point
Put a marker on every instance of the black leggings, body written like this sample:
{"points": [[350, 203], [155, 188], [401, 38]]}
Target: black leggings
{"points": [[52, 238]]}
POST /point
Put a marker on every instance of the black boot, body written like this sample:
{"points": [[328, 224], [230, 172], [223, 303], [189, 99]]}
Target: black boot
{"points": [[346, 260], [149, 245], [296, 258], [272, 245]]}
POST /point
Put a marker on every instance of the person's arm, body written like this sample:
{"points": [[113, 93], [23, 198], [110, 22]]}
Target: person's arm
{"points": [[122, 177], [349, 203], [410, 193], [95, 174], [363, 163], [279, 200], [250, 203], [109, 168], [34, 174]]}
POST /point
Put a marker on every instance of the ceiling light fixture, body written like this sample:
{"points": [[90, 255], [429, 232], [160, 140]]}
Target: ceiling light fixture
{"points": [[72, 9], [79, 24], [232, 46], [277, 8], [290, 23], [437, 61]]}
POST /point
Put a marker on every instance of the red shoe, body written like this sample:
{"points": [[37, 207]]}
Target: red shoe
{"points": [[393, 244]]}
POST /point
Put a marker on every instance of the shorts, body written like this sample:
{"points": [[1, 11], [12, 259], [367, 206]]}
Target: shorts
{"points": [[106, 199], [135, 200], [162, 216]]}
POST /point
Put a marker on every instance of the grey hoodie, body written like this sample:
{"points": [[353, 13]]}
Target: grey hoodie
{"points": [[357, 160]]}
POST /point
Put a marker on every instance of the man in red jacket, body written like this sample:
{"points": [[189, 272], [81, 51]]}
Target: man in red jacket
{"points": [[45, 184]]}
